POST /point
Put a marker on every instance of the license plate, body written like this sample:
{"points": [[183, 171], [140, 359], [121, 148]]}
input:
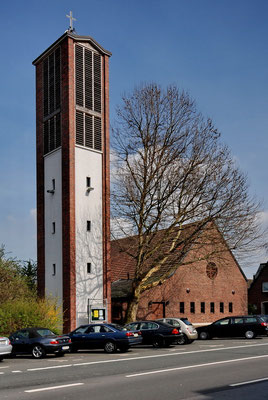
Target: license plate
{"points": [[65, 347]]}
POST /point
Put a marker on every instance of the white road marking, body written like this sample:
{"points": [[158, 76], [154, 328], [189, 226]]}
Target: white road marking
{"points": [[4, 367], [193, 366], [53, 367], [1, 373], [246, 383], [16, 372], [52, 388], [144, 357]]}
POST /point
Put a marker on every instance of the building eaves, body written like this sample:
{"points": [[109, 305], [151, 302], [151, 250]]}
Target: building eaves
{"points": [[75, 37]]}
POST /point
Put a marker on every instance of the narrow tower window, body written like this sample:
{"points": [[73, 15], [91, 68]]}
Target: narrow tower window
{"points": [[89, 268], [192, 307], [222, 307], [88, 226], [53, 269], [182, 307], [202, 307], [88, 181], [53, 227], [230, 307]]}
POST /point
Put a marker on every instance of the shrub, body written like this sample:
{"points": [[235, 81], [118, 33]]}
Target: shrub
{"points": [[31, 312]]}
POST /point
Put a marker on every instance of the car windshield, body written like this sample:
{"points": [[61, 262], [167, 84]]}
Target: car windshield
{"points": [[45, 332], [118, 327], [185, 320]]}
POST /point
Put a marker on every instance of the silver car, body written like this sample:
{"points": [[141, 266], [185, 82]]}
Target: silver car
{"points": [[188, 330], [5, 347]]}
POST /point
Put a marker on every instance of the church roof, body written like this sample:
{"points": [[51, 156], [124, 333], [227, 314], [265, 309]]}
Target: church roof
{"points": [[123, 253], [77, 38], [123, 256]]}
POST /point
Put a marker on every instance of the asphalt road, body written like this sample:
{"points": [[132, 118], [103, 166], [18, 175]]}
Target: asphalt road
{"points": [[207, 370]]}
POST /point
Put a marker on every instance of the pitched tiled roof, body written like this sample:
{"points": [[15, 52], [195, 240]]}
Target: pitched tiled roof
{"points": [[123, 253]]}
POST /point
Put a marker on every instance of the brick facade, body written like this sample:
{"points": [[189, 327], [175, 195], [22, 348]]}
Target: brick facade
{"points": [[190, 288]]}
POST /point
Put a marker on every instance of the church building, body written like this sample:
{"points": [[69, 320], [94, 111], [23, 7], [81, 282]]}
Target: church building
{"points": [[73, 179]]}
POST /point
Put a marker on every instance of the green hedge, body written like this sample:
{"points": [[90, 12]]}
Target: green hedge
{"points": [[32, 312]]}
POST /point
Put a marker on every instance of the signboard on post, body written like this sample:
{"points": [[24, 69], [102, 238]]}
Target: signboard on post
{"points": [[98, 314]]}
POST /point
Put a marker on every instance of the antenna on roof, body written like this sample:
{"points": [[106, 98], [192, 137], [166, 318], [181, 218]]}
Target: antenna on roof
{"points": [[71, 28]]}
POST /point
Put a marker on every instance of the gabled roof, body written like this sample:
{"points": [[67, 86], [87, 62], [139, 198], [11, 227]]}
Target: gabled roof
{"points": [[123, 256], [76, 37]]}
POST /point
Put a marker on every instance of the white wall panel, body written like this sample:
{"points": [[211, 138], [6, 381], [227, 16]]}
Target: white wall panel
{"points": [[53, 213]]}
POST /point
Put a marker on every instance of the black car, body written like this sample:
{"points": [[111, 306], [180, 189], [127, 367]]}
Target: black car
{"points": [[39, 342], [157, 333], [248, 326], [109, 337]]}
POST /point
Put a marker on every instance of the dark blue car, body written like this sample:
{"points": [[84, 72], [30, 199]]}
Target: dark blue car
{"points": [[39, 342], [109, 337]]}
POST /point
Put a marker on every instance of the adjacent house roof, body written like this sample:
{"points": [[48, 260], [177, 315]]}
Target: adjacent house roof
{"points": [[259, 272]]}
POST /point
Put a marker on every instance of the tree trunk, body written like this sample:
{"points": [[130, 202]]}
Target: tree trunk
{"points": [[132, 309]]}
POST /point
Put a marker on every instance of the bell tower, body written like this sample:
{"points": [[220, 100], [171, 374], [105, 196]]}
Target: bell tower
{"points": [[73, 176]]}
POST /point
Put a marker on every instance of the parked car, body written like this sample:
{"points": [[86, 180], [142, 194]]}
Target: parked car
{"points": [[39, 342], [5, 347], [248, 326], [109, 337], [189, 333], [264, 317], [157, 333]]}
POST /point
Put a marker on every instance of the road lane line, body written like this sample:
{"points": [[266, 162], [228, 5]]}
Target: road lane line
{"points": [[16, 372], [248, 382], [193, 366], [52, 388], [52, 367], [143, 357], [4, 367]]}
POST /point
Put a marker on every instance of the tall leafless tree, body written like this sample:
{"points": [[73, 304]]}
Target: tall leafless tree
{"points": [[171, 170]]}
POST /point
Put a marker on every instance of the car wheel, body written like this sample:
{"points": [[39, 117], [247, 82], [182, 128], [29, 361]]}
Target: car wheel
{"points": [[110, 347], [203, 335], [183, 339], [157, 342], [38, 351], [249, 334]]}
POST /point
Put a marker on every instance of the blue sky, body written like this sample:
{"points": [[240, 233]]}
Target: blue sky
{"points": [[215, 49]]}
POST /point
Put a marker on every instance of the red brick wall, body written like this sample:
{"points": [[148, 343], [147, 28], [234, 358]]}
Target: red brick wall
{"points": [[40, 183], [106, 188], [190, 283], [68, 185], [201, 289]]}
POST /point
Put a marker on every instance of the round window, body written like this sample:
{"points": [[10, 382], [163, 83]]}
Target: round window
{"points": [[212, 270]]}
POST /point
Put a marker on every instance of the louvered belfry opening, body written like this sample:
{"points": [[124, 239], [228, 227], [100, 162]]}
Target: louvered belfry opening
{"points": [[88, 98], [51, 101]]}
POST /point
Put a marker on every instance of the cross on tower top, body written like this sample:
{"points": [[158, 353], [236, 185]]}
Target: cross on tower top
{"points": [[71, 28]]}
